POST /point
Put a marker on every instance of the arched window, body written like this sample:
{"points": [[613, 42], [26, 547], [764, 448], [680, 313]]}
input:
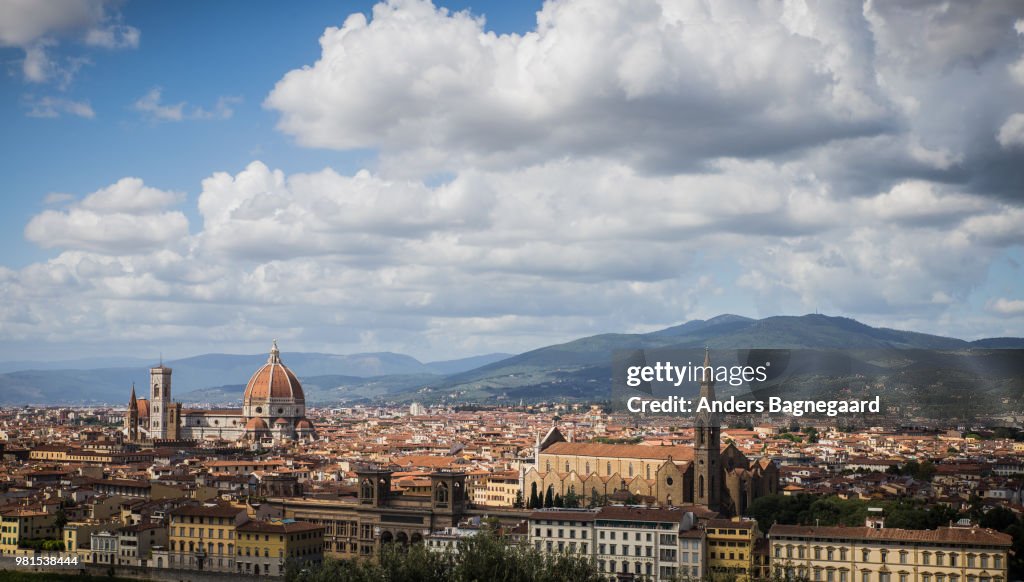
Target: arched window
{"points": [[588, 467], [631, 469], [609, 468], [442, 493], [567, 466], [648, 471], [700, 487], [367, 489]]}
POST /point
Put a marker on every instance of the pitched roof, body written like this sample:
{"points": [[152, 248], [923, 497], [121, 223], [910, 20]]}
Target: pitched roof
{"points": [[627, 513], [677, 452], [949, 535], [278, 527]]}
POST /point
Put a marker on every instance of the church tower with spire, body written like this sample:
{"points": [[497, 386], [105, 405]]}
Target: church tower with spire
{"points": [[131, 419], [707, 446]]}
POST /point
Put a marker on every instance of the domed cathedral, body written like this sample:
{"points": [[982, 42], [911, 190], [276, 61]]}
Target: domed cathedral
{"points": [[273, 410], [705, 473], [273, 403]]}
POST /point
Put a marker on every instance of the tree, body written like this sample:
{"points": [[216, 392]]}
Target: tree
{"points": [[925, 471], [535, 500], [558, 501], [518, 503], [571, 499], [60, 519], [549, 497], [484, 556], [812, 434], [998, 518]]}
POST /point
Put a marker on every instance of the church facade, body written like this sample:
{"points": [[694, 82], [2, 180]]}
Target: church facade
{"points": [[273, 409], [719, 478]]}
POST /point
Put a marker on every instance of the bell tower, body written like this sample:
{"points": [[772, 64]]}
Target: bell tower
{"points": [[707, 481], [160, 403], [449, 495], [374, 485]]}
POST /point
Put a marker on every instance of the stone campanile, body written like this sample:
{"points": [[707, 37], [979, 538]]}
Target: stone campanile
{"points": [[707, 486], [162, 420]]}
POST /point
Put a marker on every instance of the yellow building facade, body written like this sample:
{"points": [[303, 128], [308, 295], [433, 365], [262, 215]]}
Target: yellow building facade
{"points": [[264, 548], [730, 547], [878, 554], [20, 525], [204, 536]]}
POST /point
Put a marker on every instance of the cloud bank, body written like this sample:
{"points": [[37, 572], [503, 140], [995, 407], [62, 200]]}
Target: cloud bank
{"points": [[623, 166]]}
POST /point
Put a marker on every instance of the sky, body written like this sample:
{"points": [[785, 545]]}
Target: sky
{"points": [[460, 178]]}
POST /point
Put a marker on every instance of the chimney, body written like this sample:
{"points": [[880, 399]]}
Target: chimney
{"points": [[875, 519]]}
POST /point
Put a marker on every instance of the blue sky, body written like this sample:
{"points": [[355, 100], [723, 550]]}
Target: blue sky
{"points": [[188, 176], [196, 52]]}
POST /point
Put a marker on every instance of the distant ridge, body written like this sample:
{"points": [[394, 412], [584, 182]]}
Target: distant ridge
{"points": [[574, 369]]}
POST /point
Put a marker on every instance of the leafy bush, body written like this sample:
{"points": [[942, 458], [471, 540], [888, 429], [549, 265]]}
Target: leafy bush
{"points": [[484, 556]]}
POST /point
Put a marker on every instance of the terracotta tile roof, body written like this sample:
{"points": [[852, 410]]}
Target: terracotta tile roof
{"points": [[273, 380], [564, 515], [949, 535], [626, 513], [208, 510], [278, 527], [212, 412], [729, 524], [677, 452]]}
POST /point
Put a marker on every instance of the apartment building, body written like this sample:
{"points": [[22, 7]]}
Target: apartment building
{"points": [[20, 525], [877, 554], [730, 544], [203, 536], [264, 547], [624, 541], [500, 489]]}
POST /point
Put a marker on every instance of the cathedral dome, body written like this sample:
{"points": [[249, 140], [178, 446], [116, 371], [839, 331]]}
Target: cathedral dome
{"points": [[255, 424], [273, 380], [304, 424]]}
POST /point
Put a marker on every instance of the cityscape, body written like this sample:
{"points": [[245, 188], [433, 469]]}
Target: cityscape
{"points": [[531, 291], [277, 487]]}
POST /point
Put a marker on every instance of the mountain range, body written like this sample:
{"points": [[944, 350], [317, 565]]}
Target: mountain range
{"points": [[576, 369]]}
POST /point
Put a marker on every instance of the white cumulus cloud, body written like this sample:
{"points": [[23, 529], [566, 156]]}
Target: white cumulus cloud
{"points": [[124, 218]]}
